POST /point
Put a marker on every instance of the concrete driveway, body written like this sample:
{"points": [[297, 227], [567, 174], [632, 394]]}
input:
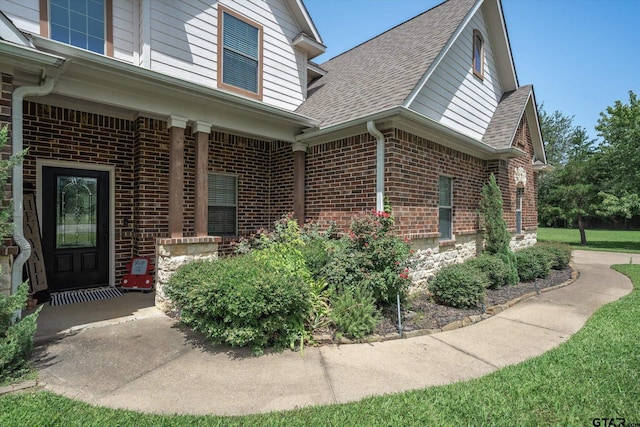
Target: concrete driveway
{"points": [[147, 362]]}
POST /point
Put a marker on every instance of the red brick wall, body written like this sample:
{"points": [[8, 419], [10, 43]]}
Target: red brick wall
{"points": [[281, 201], [150, 164], [60, 134], [412, 168], [340, 179], [522, 140]]}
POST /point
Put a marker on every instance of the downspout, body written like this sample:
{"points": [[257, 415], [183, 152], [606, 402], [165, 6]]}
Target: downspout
{"points": [[17, 181], [371, 127]]}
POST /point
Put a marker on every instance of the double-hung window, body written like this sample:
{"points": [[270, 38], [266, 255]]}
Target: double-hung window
{"points": [[239, 54], [519, 194], [223, 206], [80, 23], [445, 207], [478, 54]]}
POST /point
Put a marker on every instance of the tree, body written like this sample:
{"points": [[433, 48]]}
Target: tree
{"points": [[572, 191], [619, 127], [557, 130], [494, 228]]}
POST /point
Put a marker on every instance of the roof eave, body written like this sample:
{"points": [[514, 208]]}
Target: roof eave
{"points": [[413, 122], [79, 58]]}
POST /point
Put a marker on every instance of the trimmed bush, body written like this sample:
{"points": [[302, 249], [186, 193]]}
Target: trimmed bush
{"points": [[498, 270], [354, 312], [559, 254], [533, 263], [259, 299], [459, 285]]}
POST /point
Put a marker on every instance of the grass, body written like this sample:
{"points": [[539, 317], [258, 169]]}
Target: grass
{"points": [[595, 374], [597, 240]]}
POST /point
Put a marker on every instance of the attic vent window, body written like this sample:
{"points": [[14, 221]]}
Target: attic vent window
{"points": [[478, 54], [239, 54]]}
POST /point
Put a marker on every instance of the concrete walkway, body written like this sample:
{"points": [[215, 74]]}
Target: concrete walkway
{"points": [[151, 364]]}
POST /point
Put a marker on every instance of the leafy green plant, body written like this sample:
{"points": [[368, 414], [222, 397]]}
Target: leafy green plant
{"points": [[354, 312], [533, 263], [559, 254], [459, 285], [370, 256], [258, 299], [16, 339], [497, 269]]}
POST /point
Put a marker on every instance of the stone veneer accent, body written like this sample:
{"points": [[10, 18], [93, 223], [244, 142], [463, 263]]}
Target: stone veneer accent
{"points": [[5, 274], [173, 254], [431, 255]]}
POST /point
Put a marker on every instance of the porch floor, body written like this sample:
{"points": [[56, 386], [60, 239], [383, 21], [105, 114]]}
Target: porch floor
{"points": [[56, 321]]}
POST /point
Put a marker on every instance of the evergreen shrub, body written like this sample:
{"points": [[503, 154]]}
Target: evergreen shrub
{"points": [[459, 285]]}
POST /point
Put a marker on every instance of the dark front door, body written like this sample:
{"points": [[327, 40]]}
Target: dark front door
{"points": [[75, 227]]}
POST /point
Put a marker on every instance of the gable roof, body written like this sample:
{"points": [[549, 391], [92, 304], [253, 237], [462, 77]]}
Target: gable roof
{"points": [[382, 72], [505, 120]]}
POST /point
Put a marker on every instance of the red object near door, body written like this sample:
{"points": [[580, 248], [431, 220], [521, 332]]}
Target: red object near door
{"points": [[139, 276]]}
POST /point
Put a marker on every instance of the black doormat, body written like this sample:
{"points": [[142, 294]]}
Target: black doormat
{"points": [[84, 295]]}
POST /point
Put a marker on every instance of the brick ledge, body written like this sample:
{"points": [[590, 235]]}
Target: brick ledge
{"points": [[188, 240]]}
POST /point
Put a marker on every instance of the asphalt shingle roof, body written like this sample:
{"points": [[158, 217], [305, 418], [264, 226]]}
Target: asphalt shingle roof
{"points": [[381, 73], [506, 118]]}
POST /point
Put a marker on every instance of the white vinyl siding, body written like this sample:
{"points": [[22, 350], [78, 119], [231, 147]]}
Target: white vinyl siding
{"points": [[24, 14], [453, 95], [123, 30], [180, 39], [445, 207], [223, 205], [184, 36]]}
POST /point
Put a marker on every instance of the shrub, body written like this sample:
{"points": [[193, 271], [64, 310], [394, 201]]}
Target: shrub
{"points": [[459, 285], [16, 339], [494, 228], [370, 256], [354, 312], [533, 263], [259, 299], [559, 254], [497, 268]]}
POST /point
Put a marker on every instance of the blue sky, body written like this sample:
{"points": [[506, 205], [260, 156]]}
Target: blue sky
{"points": [[580, 55]]}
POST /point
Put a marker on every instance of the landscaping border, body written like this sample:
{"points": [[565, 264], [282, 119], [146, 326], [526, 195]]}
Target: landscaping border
{"points": [[467, 321]]}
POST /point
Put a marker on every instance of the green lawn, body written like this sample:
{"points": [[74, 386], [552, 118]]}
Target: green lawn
{"points": [[596, 373], [597, 240]]}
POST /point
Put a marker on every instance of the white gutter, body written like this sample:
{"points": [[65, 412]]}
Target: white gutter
{"points": [[371, 127], [17, 182]]}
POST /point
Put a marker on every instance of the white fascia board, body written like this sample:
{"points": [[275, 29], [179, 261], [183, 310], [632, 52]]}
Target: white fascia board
{"points": [[300, 13], [501, 45], [423, 80], [412, 122], [531, 110], [11, 33], [28, 57], [147, 83], [305, 43]]}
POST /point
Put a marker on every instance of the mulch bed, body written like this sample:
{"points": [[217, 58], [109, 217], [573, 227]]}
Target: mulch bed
{"points": [[420, 312]]}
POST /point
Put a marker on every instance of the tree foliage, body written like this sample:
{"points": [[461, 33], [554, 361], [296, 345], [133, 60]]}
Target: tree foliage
{"points": [[494, 228], [558, 131], [595, 180]]}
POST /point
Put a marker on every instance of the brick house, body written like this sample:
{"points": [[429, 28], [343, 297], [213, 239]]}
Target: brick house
{"points": [[169, 129]]}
